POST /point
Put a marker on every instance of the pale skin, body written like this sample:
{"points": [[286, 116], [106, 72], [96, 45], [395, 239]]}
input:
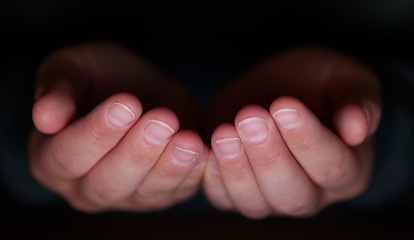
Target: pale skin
{"points": [[288, 137]]}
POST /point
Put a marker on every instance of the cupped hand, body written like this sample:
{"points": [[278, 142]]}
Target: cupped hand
{"points": [[310, 147], [93, 145]]}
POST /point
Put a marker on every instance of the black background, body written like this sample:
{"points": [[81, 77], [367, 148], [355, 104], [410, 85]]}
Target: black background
{"points": [[203, 43]]}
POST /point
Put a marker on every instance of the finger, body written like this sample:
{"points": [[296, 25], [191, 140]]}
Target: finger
{"points": [[281, 179], [54, 110], [119, 173], [76, 149], [353, 96], [174, 165], [152, 200], [173, 178], [62, 85], [192, 182], [324, 157], [74, 79], [213, 186], [237, 174], [356, 120]]}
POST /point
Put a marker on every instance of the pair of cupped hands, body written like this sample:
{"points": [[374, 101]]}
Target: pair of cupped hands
{"points": [[289, 137]]}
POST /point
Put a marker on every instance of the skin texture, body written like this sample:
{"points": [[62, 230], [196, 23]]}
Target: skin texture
{"points": [[288, 137]]}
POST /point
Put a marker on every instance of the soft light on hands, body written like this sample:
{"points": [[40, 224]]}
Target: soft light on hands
{"points": [[94, 146], [311, 147]]}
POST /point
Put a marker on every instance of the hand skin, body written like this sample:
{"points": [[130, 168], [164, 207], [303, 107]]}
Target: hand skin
{"points": [[301, 138], [94, 146], [98, 162]]}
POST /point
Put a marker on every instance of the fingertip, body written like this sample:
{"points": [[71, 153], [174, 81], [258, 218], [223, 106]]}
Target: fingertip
{"points": [[52, 112], [189, 139], [224, 130], [159, 125], [284, 102], [128, 101], [290, 114], [372, 111], [351, 123]]}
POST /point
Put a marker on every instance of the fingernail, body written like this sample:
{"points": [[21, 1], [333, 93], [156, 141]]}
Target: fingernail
{"points": [[184, 156], [157, 132], [287, 118], [120, 115], [229, 148], [254, 129]]}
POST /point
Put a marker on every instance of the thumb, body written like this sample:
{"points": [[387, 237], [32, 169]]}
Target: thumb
{"points": [[356, 120], [61, 85], [54, 109], [356, 103]]}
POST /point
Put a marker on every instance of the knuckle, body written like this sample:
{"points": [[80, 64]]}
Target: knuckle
{"points": [[172, 171], [334, 175], [103, 196], [305, 144], [268, 160], [98, 137], [59, 161], [138, 158], [54, 159]]}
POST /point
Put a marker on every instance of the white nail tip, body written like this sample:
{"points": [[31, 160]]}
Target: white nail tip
{"points": [[157, 132], [187, 151], [249, 120], [161, 123], [225, 140], [126, 108], [284, 110]]}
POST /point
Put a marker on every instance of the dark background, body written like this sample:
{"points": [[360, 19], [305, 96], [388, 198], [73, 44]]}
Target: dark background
{"points": [[203, 44], [206, 34]]}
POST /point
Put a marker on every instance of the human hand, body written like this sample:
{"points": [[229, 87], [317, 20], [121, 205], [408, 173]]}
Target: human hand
{"points": [[304, 153], [93, 146]]}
